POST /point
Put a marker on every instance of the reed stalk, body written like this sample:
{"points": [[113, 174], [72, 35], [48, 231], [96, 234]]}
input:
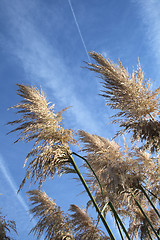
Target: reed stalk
{"points": [[91, 197], [144, 192], [150, 224]]}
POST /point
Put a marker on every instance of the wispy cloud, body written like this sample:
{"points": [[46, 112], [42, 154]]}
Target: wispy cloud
{"points": [[150, 13], [12, 184], [7, 175], [44, 65]]}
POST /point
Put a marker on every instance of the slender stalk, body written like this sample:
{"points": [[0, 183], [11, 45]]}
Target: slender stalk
{"points": [[150, 224], [149, 234], [151, 193], [119, 220], [150, 201], [92, 171], [151, 117], [104, 208], [119, 228], [92, 198]]}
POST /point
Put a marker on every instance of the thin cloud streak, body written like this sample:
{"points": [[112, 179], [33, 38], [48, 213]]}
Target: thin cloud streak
{"points": [[12, 184], [75, 19], [42, 62], [14, 188], [149, 11]]}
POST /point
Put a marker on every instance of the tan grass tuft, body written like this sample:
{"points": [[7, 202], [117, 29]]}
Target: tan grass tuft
{"points": [[6, 226], [148, 131], [138, 224], [129, 94], [108, 163], [84, 225], [132, 97], [51, 220], [39, 123], [120, 173]]}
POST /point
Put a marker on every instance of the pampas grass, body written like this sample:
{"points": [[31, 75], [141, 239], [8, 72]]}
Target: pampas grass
{"points": [[51, 220], [84, 225], [115, 176], [39, 123], [6, 226], [121, 173], [130, 95]]}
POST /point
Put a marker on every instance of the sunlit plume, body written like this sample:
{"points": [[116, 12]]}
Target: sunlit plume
{"points": [[39, 123], [51, 220], [84, 225], [136, 104], [121, 173]]}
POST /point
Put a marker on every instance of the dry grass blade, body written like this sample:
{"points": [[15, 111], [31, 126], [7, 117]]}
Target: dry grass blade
{"points": [[84, 225], [51, 220], [39, 123]]}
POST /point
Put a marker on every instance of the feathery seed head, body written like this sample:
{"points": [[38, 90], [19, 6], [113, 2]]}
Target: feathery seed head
{"points": [[146, 130], [52, 220], [120, 173], [6, 226], [38, 122], [131, 95], [137, 105], [138, 226], [108, 163], [84, 226]]}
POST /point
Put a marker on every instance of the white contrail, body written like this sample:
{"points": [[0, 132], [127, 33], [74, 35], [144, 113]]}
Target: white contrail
{"points": [[78, 29], [151, 18], [13, 186]]}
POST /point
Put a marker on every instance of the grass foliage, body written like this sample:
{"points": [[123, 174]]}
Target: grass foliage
{"points": [[128, 178]]}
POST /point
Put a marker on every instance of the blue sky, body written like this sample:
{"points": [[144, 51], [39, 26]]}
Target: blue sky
{"points": [[44, 43]]}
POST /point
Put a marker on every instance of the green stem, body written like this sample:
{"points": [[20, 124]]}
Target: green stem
{"points": [[151, 117], [92, 198], [150, 224], [103, 209], [93, 173], [119, 220], [150, 201], [119, 228], [149, 234], [151, 193]]}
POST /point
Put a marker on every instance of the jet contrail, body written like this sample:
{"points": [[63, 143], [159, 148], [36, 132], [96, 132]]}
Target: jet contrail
{"points": [[13, 185], [79, 29]]}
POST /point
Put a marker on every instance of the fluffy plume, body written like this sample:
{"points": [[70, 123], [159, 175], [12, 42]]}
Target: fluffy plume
{"points": [[52, 221], [84, 225], [146, 130], [131, 95], [38, 122], [120, 173], [6, 226], [139, 227], [108, 163]]}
